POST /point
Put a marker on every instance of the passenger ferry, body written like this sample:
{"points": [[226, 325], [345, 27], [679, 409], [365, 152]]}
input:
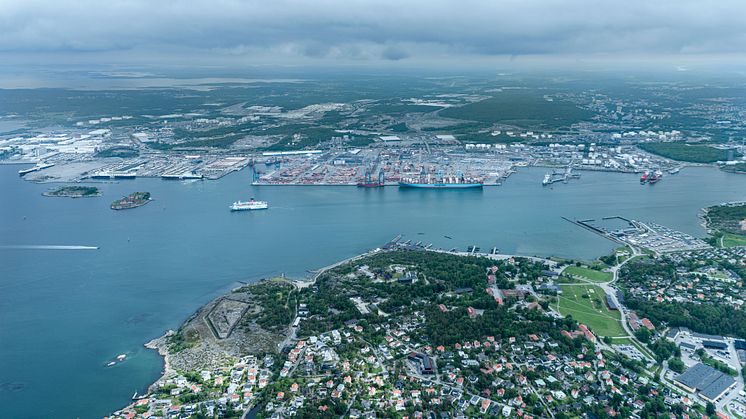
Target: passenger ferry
{"points": [[248, 205]]}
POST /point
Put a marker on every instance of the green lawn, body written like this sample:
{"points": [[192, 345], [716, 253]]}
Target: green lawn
{"points": [[590, 311], [730, 240], [589, 274]]}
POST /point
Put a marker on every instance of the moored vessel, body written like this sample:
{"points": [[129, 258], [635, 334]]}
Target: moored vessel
{"points": [[655, 177], [440, 185], [426, 181], [368, 182]]}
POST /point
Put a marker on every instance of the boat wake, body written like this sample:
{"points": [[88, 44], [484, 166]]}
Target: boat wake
{"points": [[45, 247]]}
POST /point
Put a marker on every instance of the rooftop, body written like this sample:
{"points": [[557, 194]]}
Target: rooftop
{"points": [[710, 382]]}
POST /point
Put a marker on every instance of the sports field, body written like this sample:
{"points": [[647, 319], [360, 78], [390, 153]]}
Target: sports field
{"points": [[587, 305]]}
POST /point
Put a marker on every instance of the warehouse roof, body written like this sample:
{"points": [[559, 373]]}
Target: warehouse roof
{"points": [[710, 382]]}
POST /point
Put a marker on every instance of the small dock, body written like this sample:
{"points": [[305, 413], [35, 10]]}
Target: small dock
{"points": [[554, 177]]}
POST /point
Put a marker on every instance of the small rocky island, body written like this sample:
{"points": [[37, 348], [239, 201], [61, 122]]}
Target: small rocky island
{"points": [[74, 192], [133, 200]]}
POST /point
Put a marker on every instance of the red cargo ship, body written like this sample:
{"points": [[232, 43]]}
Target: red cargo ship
{"points": [[368, 181]]}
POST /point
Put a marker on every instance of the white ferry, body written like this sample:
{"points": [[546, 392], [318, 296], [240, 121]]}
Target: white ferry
{"points": [[249, 205]]}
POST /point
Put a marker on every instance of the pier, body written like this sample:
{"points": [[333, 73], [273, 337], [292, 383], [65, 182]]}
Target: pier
{"points": [[554, 177]]}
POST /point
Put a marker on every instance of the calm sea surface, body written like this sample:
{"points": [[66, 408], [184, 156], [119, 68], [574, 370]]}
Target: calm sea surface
{"points": [[65, 313]]}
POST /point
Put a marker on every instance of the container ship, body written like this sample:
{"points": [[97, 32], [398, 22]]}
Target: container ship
{"points": [[249, 205], [441, 182]]}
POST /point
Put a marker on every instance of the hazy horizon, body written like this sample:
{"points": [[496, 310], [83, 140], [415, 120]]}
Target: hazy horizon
{"points": [[239, 35]]}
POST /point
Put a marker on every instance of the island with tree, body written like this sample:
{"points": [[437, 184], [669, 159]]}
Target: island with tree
{"points": [[74, 192], [133, 200]]}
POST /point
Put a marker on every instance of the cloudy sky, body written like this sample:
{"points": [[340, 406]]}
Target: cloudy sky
{"points": [[152, 32]]}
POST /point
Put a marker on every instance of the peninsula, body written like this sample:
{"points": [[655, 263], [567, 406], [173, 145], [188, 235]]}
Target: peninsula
{"points": [[403, 331]]}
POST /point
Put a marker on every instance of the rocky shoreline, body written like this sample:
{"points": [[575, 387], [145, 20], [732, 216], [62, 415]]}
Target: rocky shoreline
{"points": [[210, 349]]}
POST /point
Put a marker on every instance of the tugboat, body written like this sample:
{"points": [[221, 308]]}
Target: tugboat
{"points": [[249, 205], [645, 176]]}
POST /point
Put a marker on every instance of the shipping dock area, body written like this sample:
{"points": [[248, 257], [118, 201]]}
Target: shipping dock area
{"points": [[381, 167], [652, 237], [173, 167]]}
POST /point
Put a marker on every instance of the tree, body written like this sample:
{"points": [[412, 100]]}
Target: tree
{"points": [[676, 365], [710, 409], [643, 335]]}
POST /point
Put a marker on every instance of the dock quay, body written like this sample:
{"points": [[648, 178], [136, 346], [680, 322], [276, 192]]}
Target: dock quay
{"points": [[655, 238], [554, 177]]}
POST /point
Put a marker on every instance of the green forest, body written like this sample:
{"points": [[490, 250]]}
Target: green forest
{"points": [[520, 108], [694, 153]]}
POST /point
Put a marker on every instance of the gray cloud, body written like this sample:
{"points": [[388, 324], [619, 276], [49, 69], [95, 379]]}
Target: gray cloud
{"points": [[359, 30]]}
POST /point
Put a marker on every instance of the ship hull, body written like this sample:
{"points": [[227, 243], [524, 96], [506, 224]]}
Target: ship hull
{"points": [[441, 185]]}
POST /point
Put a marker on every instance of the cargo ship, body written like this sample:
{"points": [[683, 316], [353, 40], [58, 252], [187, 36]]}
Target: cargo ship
{"points": [[441, 183], [368, 182], [428, 181], [249, 205], [363, 184], [655, 177]]}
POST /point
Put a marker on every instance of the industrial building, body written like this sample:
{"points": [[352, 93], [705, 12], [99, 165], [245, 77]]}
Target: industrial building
{"points": [[713, 344], [710, 383]]}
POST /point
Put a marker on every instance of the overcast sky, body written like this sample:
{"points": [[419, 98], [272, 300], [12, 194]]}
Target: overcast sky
{"points": [[155, 32]]}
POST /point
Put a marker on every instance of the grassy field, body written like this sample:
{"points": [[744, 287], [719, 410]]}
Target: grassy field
{"points": [[587, 304], [730, 240], [589, 274]]}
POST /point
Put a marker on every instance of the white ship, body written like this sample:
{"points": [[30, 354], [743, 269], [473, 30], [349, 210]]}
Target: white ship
{"points": [[249, 205], [547, 179]]}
